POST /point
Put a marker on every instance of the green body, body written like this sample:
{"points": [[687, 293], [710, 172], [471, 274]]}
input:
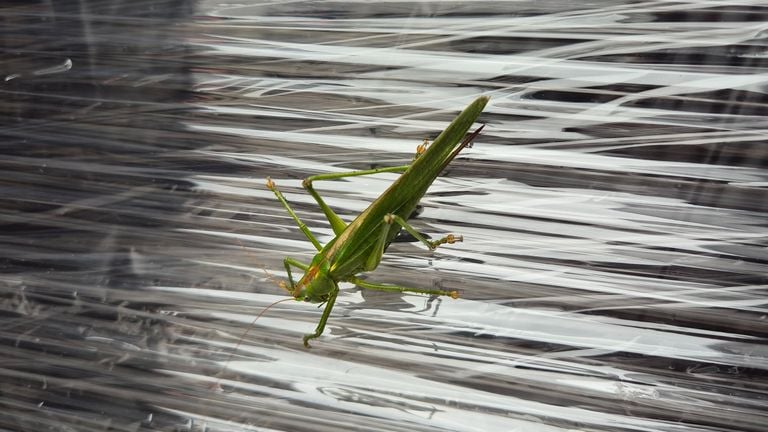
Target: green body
{"points": [[349, 250], [359, 245]]}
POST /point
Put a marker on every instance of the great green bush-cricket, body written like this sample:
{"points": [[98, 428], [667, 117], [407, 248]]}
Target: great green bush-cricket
{"points": [[359, 245]]}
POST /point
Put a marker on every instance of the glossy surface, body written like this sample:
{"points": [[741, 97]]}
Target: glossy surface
{"points": [[613, 273]]}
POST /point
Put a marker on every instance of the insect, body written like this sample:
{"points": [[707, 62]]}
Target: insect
{"points": [[359, 245]]}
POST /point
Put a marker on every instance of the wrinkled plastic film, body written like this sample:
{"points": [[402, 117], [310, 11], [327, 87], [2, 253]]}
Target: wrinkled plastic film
{"points": [[613, 269]]}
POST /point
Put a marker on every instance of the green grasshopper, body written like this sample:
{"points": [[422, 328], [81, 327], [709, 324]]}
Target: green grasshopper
{"points": [[359, 246]]}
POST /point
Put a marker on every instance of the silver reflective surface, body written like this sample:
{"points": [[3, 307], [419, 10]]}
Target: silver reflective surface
{"points": [[613, 273]]}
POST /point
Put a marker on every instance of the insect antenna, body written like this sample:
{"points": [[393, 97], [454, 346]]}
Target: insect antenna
{"points": [[245, 333], [272, 279]]}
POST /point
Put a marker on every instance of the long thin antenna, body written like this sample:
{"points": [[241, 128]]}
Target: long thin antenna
{"points": [[242, 338]]}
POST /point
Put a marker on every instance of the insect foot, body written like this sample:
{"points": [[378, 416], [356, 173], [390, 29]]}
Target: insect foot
{"points": [[421, 149], [451, 239]]}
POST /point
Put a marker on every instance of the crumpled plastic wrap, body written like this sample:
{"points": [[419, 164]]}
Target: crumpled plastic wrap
{"points": [[613, 273]]}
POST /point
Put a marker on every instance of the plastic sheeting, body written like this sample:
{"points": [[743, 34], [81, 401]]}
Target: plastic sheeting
{"points": [[613, 274]]}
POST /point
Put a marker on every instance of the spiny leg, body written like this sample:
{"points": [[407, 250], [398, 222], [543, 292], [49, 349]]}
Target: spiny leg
{"points": [[323, 319], [302, 226], [337, 224], [377, 252], [449, 239], [401, 289], [288, 262]]}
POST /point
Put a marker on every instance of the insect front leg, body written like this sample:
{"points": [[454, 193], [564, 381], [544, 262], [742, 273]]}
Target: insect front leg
{"points": [[288, 262], [302, 226], [323, 319], [337, 224]]}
